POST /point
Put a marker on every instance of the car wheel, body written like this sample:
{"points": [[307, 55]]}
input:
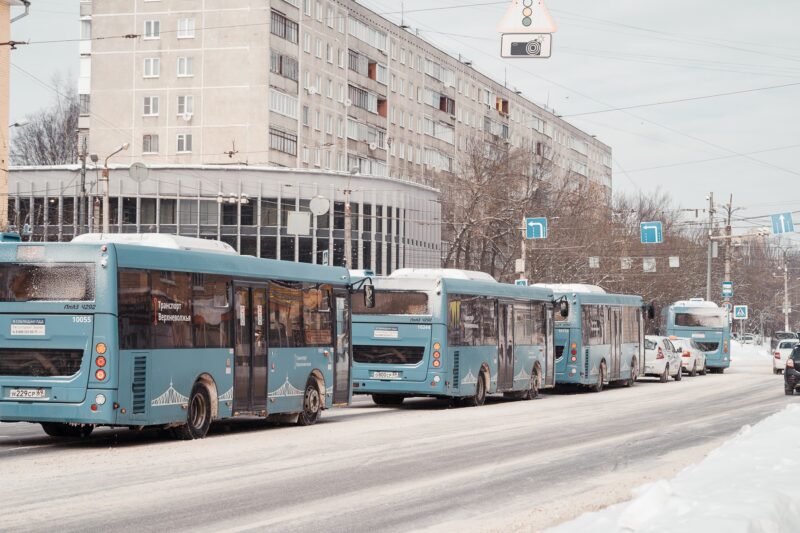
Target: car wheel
{"points": [[601, 376], [679, 375], [693, 373], [665, 375], [789, 391]]}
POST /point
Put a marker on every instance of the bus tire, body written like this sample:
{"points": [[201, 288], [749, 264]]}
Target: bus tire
{"points": [[664, 377], [312, 405], [57, 429], [601, 376], [479, 398], [634, 373], [392, 400], [693, 373], [533, 392], [198, 415]]}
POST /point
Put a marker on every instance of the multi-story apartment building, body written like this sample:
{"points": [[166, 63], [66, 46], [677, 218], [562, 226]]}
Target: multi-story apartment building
{"points": [[320, 84]]}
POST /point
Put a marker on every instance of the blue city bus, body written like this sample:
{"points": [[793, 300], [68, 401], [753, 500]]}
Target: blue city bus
{"points": [[601, 340], [452, 334], [173, 332], [704, 322]]}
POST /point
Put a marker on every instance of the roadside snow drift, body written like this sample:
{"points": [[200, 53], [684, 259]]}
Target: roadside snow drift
{"points": [[748, 485]]}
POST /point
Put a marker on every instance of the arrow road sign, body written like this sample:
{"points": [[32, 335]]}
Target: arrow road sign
{"points": [[782, 223], [652, 233], [535, 228], [740, 312]]}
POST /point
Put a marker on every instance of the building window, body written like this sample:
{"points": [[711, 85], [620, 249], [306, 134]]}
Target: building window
{"points": [[284, 66], [151, 106], [283, 27], [282, 103], [150, 144], [186, 106], [186, 28], [152, 67], [306, 116], [85, 100], [184, 143], [185, 67], [363, 99], [283, 141], [319, 48], [152, 29]]}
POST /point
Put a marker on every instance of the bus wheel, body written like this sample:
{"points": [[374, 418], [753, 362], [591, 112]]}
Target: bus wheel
{"points": [[480, 392], [693, 373], [665, 376], [198, 415], [533, 392], [56, 429], [312, 405], [601, 376], [388, 399], [634, 373]]}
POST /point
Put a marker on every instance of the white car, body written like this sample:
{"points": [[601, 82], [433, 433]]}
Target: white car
{"points": [[661, 359], [782, 352], [693, 358]]}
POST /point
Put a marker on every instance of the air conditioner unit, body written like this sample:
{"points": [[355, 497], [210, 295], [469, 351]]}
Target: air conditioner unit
{"points": [[312, 91], [348, 102]]}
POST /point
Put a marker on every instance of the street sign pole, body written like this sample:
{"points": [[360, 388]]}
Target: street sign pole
{"points": [[524, 251]]}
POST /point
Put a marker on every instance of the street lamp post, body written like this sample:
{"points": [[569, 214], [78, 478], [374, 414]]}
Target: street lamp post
{"points": [[106, 208]]}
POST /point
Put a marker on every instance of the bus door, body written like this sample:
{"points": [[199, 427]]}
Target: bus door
{"points": [[342, 362], [616, 341], [250, 349], [505, 351], [550, 371]]}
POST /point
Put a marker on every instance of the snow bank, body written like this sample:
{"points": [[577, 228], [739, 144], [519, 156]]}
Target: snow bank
{"points": [[748, 485], [750, 352]]}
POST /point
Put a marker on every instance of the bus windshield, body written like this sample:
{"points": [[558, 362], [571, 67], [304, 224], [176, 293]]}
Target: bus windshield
{"points": [[394, 303], [696, 319], [51, 282]]}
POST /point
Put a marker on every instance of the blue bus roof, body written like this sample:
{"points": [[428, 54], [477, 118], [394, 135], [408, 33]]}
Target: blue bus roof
{"points": [[600, 298], [490, 288]]}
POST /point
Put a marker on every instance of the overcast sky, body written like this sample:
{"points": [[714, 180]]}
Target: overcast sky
{"points": [[610, 53]]}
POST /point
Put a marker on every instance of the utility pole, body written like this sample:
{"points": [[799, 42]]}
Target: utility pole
{"points": [[728, 246], [82, 207], [786, 305], [524, 269], [348, 235], [710, 243]]}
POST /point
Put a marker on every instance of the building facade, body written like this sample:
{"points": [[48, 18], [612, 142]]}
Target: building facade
{"points": [[395, 223], [316, 84]]}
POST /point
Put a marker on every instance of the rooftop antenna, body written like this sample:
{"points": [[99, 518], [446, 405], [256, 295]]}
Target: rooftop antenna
{"points": [[233, 151], [403, 16]]}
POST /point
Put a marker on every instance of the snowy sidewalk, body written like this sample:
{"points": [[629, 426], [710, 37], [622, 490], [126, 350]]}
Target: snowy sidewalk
{"points": [[748, 485]]}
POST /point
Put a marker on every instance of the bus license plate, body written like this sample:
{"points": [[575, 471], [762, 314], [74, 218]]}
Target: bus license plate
{"points": [[27, 394], [386, 375]]}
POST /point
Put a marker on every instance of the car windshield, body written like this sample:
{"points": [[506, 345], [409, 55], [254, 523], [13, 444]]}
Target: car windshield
{"points": [[650, 345], [788, 344]]}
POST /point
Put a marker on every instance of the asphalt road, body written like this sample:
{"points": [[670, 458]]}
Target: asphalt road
{"points": [[509, 465]]}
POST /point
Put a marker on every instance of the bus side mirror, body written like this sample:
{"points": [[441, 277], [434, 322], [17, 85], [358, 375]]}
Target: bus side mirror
{"points": [[369, 296], [651, 311], [563, 309]]}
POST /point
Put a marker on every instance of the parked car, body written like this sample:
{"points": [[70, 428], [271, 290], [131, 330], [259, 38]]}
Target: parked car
{"points": [[693, 358], [661, 360], [748, 339], [781, 354], [791, 377], [781, 335]]}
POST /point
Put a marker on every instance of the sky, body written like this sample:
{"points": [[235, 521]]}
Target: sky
{"points": [[606, 55]]}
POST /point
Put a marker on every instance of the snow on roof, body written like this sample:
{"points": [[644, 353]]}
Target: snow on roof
{"points": [[580, 288], [696, 302], [438, 273], [157, 240]]}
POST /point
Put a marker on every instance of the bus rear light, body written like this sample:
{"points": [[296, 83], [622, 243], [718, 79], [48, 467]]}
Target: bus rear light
{"points": [[100, 375], [101, 348], [100, 399], [93, 407], [437, 346], [574, 346], [436, 379], [436, 363], [573, 358], [100, 361], [574, 352], [436, 355]]}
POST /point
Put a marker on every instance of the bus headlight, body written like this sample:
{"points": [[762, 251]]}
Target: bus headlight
{"points": [[100, 399]]}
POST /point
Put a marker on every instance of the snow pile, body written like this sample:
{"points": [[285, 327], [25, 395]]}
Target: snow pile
{"points": [[750, 352], [748, 485]]}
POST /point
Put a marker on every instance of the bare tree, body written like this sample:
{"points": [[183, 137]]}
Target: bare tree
{"points": [[50, 137]]}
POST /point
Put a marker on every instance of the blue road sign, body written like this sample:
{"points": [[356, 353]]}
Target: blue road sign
{"points": [[740, 312], [782, 223], [652, 232], [535, 228], [521, 283], [727, 289]]}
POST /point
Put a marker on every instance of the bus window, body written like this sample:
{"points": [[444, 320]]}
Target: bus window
{"points": [[171, 293], [52, 282], [394, 303], [211, 311], [317, 320], [135, 314], [697, 319], [472, 321], [286, 315]]}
